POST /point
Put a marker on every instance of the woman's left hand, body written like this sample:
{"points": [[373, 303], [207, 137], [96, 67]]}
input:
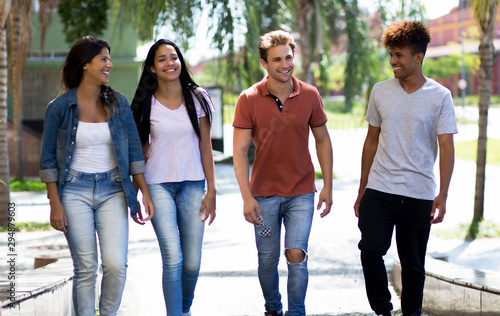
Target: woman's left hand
{"points": [[208, 208], [149, 209]]}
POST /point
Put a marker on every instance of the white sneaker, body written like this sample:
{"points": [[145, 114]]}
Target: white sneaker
{"points": [[187, 314]]}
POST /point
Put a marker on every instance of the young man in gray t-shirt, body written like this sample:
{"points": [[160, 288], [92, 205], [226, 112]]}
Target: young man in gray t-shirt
{"points": [[410, 116]]}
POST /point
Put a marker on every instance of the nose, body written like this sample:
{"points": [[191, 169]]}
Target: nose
{"points": [[392, 60], [110, 64]]}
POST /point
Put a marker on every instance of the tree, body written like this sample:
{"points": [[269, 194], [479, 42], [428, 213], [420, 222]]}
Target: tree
{"points": [[316, 22], [18, 42], [88, 17], [5, 6], [485, 12]]}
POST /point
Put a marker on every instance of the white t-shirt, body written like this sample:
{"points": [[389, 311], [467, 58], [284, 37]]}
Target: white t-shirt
{"points": [[409, 126], [93, 148], [174, 152]]}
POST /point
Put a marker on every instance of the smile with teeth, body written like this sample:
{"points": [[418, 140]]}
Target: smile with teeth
{"points": [[284, 71]]}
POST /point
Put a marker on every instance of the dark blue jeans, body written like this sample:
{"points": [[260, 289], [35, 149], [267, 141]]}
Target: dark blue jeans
{"points": [[379, 213]]}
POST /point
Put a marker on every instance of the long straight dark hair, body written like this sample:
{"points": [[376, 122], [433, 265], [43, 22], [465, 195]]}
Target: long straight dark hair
{"points": [[141, 104], [81, 53]]}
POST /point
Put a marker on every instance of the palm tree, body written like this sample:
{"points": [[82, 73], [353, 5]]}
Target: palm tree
{"points": [[4, 156], [485, 12]]}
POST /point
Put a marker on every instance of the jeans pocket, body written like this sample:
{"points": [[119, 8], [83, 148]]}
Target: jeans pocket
{"points": [[70, 179], [117, 178]]}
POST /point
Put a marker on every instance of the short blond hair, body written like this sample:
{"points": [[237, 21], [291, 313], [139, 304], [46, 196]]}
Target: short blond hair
{"points": [[275, 38]]}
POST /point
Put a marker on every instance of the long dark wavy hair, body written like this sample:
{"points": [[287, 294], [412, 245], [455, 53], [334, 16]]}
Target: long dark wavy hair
{"points": [[80, 54], [141, 104]]}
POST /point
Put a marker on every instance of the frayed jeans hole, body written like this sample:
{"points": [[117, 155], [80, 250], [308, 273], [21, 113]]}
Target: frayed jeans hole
{"points": [[295, 256]]}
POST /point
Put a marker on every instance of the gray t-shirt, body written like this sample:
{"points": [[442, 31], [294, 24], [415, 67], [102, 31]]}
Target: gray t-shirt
{"points": [[409, 126]]}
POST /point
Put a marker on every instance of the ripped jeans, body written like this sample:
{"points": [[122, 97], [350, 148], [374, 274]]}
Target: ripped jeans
{"points": [[296, 213]]}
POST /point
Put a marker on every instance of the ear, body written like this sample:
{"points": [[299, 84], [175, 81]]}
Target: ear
{"points": [[85, 67], [263, 63], [152, 68], [419, 57]]}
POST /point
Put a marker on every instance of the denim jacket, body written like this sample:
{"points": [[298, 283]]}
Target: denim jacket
{"points": [[58, 143]]}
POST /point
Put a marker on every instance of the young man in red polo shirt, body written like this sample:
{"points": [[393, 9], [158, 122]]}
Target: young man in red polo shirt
{"points": [[276, 113]]}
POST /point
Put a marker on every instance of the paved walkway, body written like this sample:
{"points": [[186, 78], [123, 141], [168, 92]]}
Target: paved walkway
{"points": [[228, 283]]}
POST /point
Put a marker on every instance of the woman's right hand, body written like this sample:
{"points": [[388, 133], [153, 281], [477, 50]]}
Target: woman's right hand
{"points": [[58, 216]]}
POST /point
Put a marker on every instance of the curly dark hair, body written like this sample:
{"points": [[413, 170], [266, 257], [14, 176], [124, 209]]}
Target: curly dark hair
{"points": [[411, 34]]}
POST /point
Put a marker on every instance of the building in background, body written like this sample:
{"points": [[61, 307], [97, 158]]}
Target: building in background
{"points": [[445, 41]]}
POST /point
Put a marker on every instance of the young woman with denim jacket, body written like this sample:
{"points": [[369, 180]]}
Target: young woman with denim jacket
{"points": [[90, 147], [173, 116]]}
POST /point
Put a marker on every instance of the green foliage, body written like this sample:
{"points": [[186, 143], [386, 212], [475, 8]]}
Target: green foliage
{"points": [[21, 185], [483, 229], [446, 66], [27, 227], [359, 47], [318, 175], [468, 151], [83, 17], [473, 100]]}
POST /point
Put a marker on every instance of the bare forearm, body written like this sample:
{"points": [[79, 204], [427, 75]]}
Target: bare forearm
{"points": [[325, 157]]}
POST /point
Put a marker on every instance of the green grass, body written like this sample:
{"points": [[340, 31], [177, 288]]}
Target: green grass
{"points": [[319, 175], [28, 227], [487, 229], [468, 151], [21, 185]]}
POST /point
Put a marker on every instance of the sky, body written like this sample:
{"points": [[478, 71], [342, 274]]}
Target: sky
{"points": [[434, 9]]}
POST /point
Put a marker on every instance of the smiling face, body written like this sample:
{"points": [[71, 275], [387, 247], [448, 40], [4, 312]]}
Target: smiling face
{"points": [[167, 65], [280, 63], [98, 68], [405, 64]]}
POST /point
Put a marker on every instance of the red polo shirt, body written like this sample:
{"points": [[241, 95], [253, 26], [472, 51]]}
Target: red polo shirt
{"points": [[282, 163]]}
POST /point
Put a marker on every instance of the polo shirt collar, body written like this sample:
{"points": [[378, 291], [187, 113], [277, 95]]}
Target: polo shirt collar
{"points": [[297, 87]]}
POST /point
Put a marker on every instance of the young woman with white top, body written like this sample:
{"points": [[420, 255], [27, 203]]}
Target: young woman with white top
{"points": [[173, 116]]}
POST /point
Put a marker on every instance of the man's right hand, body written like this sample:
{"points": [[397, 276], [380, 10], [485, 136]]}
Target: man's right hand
{"points": [[251, 211]]}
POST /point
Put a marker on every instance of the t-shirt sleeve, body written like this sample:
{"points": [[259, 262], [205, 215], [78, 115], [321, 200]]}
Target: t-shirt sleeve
{"points": [[242, 117], [318, 117], [372, 114], [447, 123]]}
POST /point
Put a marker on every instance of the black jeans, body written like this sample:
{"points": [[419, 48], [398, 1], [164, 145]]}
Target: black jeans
{"points": [[379, 213]]}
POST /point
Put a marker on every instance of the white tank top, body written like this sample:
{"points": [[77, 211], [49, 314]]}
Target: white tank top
{"points": [[93, 149]]}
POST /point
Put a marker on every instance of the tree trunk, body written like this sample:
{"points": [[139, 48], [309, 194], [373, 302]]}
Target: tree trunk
{"points": [[305, 17], [486, 23], [486, 53], [20, 33], [4, 156]]}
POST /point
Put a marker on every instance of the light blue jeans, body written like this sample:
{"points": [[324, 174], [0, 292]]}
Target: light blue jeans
{"points": [[179, 229], [96, 203], [296, 213]]}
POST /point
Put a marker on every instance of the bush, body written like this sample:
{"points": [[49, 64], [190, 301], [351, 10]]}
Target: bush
{"points": [[20, 185]]}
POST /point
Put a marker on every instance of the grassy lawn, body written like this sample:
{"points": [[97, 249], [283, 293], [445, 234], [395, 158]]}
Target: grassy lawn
{"points": [[468, 151]]}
